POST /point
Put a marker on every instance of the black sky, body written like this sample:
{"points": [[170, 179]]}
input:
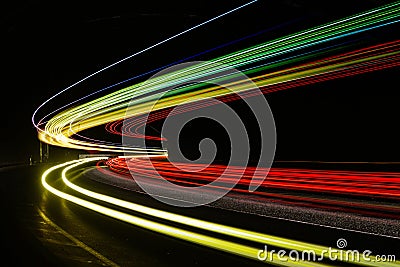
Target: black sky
{"points": [[48, 45]]}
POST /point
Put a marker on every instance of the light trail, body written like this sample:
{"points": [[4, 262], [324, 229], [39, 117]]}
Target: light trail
{"points": [[366, 60], [65, 126], [140, 98], [43, 121], [272, 67], [202, 239], [377, 185], [205, 240], [131, 56]]}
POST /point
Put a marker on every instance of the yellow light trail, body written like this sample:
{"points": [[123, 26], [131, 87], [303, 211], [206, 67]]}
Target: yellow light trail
{"points": [[65, 124], [201, 239], [142, 98], [220, 244]]}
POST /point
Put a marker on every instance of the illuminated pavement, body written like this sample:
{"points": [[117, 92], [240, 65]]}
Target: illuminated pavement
{"points": [[53, 214], [45, 229], [96, 240]]}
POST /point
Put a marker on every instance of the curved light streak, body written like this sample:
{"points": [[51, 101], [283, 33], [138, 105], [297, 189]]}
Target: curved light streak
{"points": [[202, 239], [61, 128], [43, 121], [357, 62], [133, 55], [289, 182], [382, 185]]}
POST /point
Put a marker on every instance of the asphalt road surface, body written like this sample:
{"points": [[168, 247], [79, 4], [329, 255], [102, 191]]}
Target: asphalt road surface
{"points": [[40, 229]]}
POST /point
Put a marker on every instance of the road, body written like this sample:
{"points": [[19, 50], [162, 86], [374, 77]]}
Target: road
{"points": [[41, 229]]}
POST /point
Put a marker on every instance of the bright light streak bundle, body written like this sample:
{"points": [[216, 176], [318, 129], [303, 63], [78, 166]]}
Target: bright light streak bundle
{"points": [[290, 61], [356, 62], [292, 184], [188, 235], [141, 98]]}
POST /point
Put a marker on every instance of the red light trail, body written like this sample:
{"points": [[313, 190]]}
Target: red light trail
{"points": [[333, 186]]}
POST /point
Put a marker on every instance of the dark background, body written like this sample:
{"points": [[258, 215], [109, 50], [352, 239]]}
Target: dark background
{"points": [[49, 45]]}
